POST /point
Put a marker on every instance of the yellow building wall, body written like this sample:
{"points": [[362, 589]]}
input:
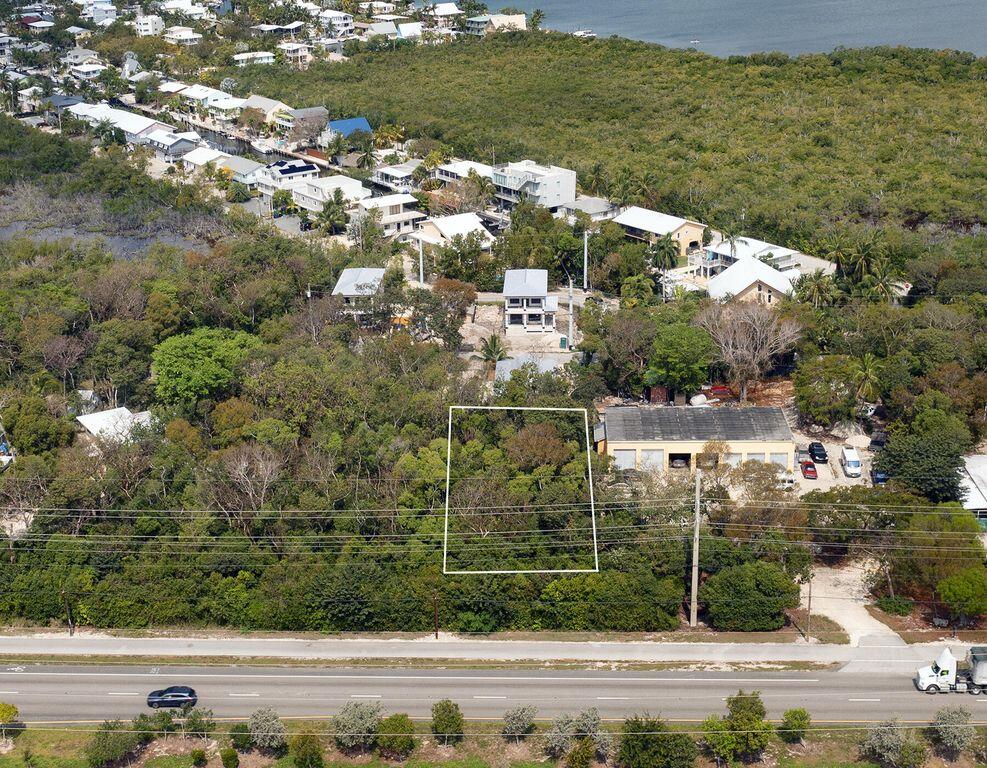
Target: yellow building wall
{"points": [[688, 232], [692, 448], [751, 294]]}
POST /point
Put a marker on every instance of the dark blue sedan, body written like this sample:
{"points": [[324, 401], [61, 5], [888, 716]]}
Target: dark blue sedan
{"points": [[175, 696]]}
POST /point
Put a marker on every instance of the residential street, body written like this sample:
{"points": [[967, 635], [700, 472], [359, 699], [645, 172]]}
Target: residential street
{"points": [[80, 694]]}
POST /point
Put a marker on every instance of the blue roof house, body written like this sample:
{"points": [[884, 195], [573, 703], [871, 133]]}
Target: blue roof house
{"points": [[350, 126]]}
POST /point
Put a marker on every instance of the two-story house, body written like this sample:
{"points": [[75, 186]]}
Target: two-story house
{"points": [[313, 194], [398, 217], [527, 306], [149, 26], [356, 287], [651, 226], [545, 185], [397, 178], [488, 24], [285, 174]]}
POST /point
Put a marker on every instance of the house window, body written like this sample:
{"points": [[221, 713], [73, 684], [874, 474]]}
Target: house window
{"points": [[514, 302], [550, 320], [515, 319], [534, 302], [534, 319]]}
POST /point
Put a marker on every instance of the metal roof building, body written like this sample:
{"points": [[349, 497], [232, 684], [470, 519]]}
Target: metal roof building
{"points": [[651, 437]]}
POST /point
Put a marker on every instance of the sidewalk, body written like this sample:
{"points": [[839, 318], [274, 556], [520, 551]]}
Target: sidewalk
{"points": [[450, 647]]}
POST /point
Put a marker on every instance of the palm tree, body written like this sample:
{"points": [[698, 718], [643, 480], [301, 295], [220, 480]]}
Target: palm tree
{"points": [[485, 189], [867, 377], [537, 17], [332, 217], [367, 158], [817, 289], [623, 190], [665, 253], [7, 84], [647, 184], [491, 350], [595, 179], [839, 252]]}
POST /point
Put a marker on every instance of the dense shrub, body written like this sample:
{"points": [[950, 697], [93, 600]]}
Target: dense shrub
{"points": [[896, 606], [647, 742], [355, 727], [750, 597], [890, 745], [519, 722], [240, 738], [794, 724], [951, 731], [229, 757], [566, 729], [199, 758], [110, 743], [394, 737], [581, 755], [306, 751], [267, 731], [198, 723], [744, 733], [447, 722]]}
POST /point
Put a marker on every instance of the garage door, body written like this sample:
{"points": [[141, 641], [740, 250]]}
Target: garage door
{"points": [[653, 460], [625, 459]]}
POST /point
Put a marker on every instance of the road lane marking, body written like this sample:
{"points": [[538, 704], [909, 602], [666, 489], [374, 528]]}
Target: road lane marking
{"points": [[9, 693], [365, 696], [489, 697], [863, 700], [612, 698], [243, 694], [122, 693]]}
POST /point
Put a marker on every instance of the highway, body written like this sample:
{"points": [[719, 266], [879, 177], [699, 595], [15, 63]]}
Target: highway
{"points": [[79, 694]]}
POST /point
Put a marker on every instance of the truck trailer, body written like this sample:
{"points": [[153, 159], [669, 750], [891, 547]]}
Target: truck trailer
{"points": [[946, 674]]}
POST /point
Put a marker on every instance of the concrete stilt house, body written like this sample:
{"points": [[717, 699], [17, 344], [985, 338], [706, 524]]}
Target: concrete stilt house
{"points": [[527, 306]]}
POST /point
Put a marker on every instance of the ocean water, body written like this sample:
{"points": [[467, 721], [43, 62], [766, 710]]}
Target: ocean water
{"points": [[727, 27]]}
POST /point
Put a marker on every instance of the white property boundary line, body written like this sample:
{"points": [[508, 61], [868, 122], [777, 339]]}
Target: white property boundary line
{"points": [[589, 471]]}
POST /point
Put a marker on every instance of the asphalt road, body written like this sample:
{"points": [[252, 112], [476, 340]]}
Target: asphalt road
{"points": [[92, 693]]}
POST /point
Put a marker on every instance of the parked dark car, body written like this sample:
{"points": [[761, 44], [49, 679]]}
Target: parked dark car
{"points": [[818, 453], [175, 696], [877, 441], [809, 470], [878, 476]]}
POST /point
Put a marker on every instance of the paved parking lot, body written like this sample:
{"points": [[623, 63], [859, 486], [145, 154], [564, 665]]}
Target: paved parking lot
{"points": [[831, 475]]}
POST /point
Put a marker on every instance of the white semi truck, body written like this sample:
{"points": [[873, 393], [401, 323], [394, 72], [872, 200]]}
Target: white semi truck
{"points": [[946, 674]]}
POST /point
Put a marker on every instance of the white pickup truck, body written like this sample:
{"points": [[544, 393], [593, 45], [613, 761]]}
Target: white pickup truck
{"points": [[946, 674]]}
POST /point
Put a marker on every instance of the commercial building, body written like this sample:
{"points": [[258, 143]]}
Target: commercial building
{"points": [[656, 438]]}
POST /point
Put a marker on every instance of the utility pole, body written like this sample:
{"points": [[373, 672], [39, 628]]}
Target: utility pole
{"points": [[585, 259], [68, 613], [421, 262], [693, 607], [435, 611], [808, 609], [569, 337]]}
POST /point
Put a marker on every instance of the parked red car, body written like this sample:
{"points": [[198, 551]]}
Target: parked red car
{"points": [[809, 470]]}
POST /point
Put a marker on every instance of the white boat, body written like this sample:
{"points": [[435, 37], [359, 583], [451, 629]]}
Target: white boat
{"points": [[261, 146], [695, 42]]}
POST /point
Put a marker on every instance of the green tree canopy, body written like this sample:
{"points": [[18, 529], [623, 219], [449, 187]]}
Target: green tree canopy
{"points": [[680, 358], [199, 364]]}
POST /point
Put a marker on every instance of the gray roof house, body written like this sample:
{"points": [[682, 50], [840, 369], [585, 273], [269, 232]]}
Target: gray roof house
{"points": [[658, 437]]}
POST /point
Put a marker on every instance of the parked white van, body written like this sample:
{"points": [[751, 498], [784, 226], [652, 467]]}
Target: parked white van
{"points": [[850, 460]]}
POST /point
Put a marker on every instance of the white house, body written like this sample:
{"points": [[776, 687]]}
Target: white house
{"points": [[77, 56], [397, 178], [397, 218], [357, 286], [148, 26], [187, 8], [86, 72], [102, 12], [117, 425], [386, 29], [242, 169], [269, 108], [285, 174], [527, 306], [443, 14], [182, 36], [413, 30], [717, 258], [750, 279], [650, 226], [253, 57], [481, 26], [226, 110], [200, 157], [202, 96], [338, 23], [297, 55], [135, 128], [171, 146], [441, 230], [313, 194], [457, 170], [545, 185]]}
